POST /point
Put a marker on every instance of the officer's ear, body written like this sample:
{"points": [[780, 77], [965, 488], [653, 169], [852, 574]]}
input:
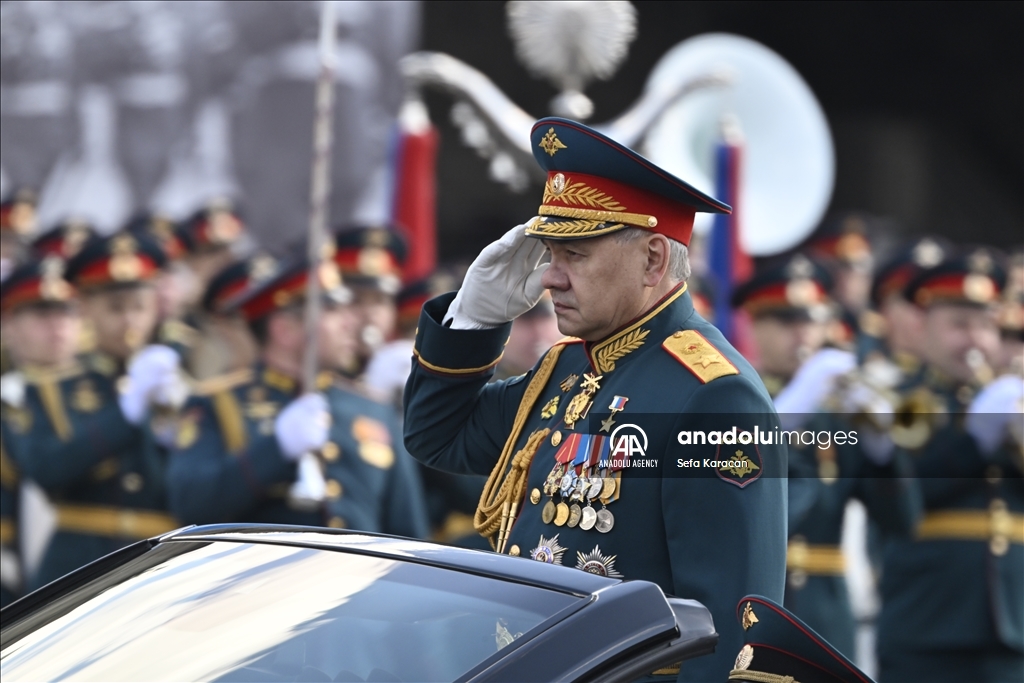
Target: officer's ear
{"points": [[658, 255]]}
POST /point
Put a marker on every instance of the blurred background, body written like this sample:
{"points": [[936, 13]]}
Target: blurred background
{"points": [[109, 108]]}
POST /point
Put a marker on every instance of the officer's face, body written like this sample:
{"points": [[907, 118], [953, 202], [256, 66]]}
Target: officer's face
{"points": [[124, 319], [783, 345], [44, 336], [954, 332], [599, 284]]}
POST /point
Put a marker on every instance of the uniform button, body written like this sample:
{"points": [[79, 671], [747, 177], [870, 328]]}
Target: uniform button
{"points": [[535, 496], [514, 551], [336, 523], [330, 451], [332, 489], [132, 482]]}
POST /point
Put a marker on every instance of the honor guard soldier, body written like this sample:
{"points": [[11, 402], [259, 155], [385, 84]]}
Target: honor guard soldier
{"points": [[371, 260], [615, 228], [842, 245], [953, 597], [780, 648], [790, 308], [64, 240], [88, 445], [239, 441], [40, 320], [17, 223]]}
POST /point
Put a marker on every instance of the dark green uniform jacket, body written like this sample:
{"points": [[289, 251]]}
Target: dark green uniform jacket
{"points": [[10, 559], [228, 467], [105, 476], [953, 598], [710, 534]]}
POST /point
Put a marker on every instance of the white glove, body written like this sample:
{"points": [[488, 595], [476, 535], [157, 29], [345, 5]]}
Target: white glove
{"points": [[993, 412], [302, 426], [810, 385], [154, 378], [501, 284]]}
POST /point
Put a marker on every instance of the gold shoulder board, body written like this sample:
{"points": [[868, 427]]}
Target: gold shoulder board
{"points": [[697, 355]]}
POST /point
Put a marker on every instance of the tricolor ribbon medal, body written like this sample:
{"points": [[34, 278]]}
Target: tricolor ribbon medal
{"points": [[618, 403]]}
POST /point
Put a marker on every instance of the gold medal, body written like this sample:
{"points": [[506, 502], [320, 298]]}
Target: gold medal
{"points": [[547, 514], [605, 520], [575, 512], [535, 496], [588, 518], [609, 488], [561, 514]]}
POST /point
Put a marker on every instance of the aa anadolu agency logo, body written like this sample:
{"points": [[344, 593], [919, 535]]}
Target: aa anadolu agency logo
{"points": [[628, 444]]}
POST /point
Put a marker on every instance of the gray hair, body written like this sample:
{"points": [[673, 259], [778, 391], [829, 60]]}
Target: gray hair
{"points": [[678, 258]]}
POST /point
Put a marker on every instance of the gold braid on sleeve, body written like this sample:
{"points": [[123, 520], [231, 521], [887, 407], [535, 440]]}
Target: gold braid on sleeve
{"points": [[504, 489]]}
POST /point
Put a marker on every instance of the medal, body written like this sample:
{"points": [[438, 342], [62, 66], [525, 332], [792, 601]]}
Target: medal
{"points": [[588, 518], [605, 520], [547, 514], [608, 488], [596, 486], [595, 562], [580, 403], [562, 514], [575, 512], [548, 551]]}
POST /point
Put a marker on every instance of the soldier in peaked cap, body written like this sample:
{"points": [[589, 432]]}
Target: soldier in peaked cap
{"points": [[780, 648], [371, 261], [41, 321], [790, 308], [239, 440], [91, 450], [17, 222], [842, 244], [64, 240], [609, 243], [953, 595]]}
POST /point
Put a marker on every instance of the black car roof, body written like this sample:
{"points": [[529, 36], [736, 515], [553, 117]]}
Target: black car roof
{"points": [[505, 567]]}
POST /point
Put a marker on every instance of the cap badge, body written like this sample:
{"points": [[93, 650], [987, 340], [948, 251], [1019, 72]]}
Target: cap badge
{"points": [[800, 267], [124, 264], [749, 618], [927, 254], [557, 184], [550, 143], [979, 262]]}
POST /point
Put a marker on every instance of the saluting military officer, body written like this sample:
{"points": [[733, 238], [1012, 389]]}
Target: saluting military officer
{"points": [[239, 441], [953, 597], [615, 229], [88, 445], [41, 322]]}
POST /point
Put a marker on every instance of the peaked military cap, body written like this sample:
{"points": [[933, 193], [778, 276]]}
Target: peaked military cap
{"points": [[844, 237], [371, 257], [215, 226], [286, 288], [796, 286], [37, 282], [595, 186], [119, 259], [972, 276], [162, 230], [780, 648], [63, 240], [908, 262], [18, 213], [235, 279]]}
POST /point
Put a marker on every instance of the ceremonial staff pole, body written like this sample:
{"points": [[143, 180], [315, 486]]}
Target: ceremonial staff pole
{"points": [[308, 489]]}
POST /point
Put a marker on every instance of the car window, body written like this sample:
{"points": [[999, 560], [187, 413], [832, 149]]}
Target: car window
{"points": [[226, 611]]}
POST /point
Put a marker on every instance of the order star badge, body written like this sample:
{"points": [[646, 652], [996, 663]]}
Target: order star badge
{"points": [[548, 550], [595, 562]]}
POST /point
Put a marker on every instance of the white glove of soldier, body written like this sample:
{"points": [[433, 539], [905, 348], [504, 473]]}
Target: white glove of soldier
{"points": [[501, 284], [810, 385], [302, 426], [994, 411], [154, 378]]}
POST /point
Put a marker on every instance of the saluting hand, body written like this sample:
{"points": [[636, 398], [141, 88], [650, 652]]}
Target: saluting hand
{"points": [[501, 284]]}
